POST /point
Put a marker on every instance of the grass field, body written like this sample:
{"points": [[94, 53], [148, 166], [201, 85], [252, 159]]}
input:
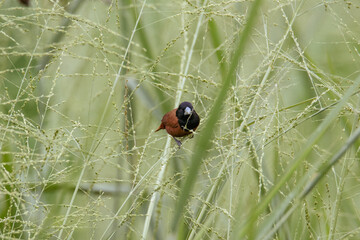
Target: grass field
{"points": [[84, 84]]}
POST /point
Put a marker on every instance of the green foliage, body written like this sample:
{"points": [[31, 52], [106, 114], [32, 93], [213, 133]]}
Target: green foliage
{"points": [[83, 85]]}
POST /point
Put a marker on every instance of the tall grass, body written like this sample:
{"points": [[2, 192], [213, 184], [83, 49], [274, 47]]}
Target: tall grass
{"points": [[85, 83]]}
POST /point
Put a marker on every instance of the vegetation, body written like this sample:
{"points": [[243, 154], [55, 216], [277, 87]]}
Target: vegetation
{"points": [[84, 84]]}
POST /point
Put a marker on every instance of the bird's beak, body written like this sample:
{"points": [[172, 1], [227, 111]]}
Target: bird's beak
{"points": [[187, 111]]}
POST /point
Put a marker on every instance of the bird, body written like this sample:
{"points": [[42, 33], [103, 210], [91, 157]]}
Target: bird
{"points": [[180, 121]]}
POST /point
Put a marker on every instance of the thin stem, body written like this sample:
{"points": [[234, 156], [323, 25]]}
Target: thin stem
{"points": [[165, 156]]}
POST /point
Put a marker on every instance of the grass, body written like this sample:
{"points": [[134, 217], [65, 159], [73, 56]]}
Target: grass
{"points": [[84, 85]]}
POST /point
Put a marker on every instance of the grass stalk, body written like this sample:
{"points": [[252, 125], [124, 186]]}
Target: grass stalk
{"points": [[204, 141], [210, 195], [84, 82], [155, 195], [314, 138], [130, 194], [95, 143], [328, 165], [284, 211], [165, 156]]}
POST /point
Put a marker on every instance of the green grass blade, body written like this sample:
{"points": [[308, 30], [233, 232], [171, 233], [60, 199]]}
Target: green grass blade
{"points": [[288, 206], [314, 138], [328, 165], [204, 142], [216, 41]]}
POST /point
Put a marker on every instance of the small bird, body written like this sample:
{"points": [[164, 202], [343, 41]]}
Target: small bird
{"points": [[180, 121]]}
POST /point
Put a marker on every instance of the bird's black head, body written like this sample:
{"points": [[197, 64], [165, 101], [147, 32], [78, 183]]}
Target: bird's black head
{"points": [[188, 118]]}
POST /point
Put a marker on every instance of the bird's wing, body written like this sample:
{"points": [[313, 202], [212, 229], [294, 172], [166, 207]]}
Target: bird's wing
{"points": [[170, 119]]}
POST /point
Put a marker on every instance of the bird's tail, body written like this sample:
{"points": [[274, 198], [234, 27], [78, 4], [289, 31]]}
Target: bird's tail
{"points": [[162, 126]]}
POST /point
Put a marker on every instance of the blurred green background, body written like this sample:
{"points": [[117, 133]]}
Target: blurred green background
{"points": [[84, 84]]}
